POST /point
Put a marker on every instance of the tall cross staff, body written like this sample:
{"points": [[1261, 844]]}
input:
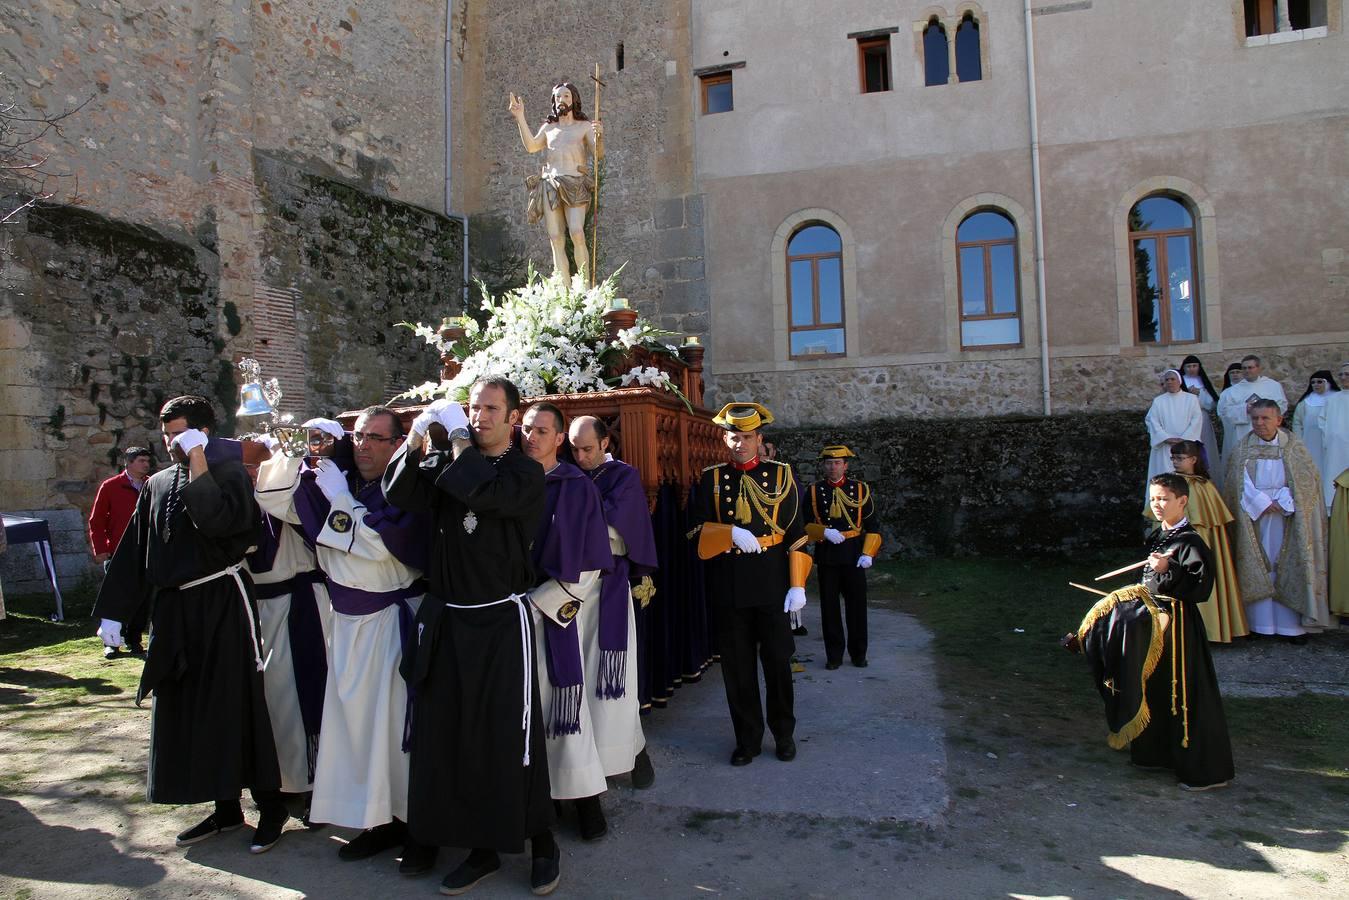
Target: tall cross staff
{"points": [[595, 216]]}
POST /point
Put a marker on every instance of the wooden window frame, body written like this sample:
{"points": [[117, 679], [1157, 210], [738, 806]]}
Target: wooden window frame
{"points": [[814, 260], [1164, 283], [713, 78], [988, 282], [872, 43]]}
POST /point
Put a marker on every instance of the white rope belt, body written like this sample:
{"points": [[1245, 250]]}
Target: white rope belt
{"points": [[243, 593], [526, 658]]}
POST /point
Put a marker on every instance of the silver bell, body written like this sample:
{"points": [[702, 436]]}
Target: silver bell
{"points": [[252, 401]]}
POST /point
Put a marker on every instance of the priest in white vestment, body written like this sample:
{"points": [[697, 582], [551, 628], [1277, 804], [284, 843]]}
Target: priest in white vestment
{"points": [[1233, 404], [1175, 415], [1279, 535]]}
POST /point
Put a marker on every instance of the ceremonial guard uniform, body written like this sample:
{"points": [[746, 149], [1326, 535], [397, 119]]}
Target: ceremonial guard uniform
{"points": [[840, 517], [739, 505]]}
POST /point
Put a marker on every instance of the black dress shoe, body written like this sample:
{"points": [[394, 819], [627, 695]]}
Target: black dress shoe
{"points": [[418, 859], [800, 631], [1297, 640], [209, 827], [268, 831], [546, 872], [374, 840], [470, 872], [590, 818], [860, 663], [787, 750], [643, 773], [742, 757], [831, 666]]}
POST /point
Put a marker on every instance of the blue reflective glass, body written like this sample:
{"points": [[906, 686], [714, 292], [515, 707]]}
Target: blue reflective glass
{"points": [[990, 332], [985, 226], [1002, 260], [972, 293], [831, 291], [936, 67], [968, 65], [719, 97], [1181, 289], [1146, 294], [815, 239], [817, 343], [1161, 214]]}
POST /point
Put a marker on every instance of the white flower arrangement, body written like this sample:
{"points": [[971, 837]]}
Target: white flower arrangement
{"points": [[548, 337]]}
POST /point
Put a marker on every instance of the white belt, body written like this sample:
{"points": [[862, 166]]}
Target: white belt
{"points": [[243, 593], [526, 657]]}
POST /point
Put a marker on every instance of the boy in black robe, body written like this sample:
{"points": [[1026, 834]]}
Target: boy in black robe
{"points": [[1149, 653], [181, 559], [479, 773]]}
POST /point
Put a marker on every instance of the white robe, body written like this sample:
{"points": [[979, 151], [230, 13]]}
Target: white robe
{"points": [[1208, 437], [575, 768], [618, 722], [1171, 416], [293, 556], [361, 779], [1309, 421], [1334, 442], [1269, 484], [1232, 408]]}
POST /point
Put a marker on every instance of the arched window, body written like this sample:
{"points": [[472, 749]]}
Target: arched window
{"points": [[990, 301], [1166, 293], [815, 292], [968, 66], [936, 63]]}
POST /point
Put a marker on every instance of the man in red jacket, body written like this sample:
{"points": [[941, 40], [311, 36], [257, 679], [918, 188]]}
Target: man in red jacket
{"points": [[113, 505]]}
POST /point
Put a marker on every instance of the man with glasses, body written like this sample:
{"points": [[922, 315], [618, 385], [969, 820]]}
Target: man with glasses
{"points": [[1234, 406], [373, 555]]}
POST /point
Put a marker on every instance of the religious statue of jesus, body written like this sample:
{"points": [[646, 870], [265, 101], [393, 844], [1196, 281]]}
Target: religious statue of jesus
{"points": [[560, 194]]}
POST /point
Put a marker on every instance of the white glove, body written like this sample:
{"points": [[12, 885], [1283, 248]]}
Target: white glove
{"points": [[451, 415], [330, 479], [432, 414], [111, 632], [833, 535], [268, 441], [864, 562], [423, 422], [188, 440], [796, 600], [327, 426], [744, 540]]}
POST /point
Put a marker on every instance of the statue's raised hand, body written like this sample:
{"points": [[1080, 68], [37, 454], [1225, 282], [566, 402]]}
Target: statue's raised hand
{"points": [[598, 128], [516, 107]]}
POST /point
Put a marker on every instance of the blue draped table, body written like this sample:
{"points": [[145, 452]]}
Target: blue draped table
{"points": [[22, 530]]}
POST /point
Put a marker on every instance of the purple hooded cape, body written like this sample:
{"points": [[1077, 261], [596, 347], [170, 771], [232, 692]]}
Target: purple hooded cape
{"points": [[572, 538], [625, 509]]}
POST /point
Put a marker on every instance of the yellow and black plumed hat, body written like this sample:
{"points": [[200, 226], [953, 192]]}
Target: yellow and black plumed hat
{"points": [[837, 451], [743, 417]]}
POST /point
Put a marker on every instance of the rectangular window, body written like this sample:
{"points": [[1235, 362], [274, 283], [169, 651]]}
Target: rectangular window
{"points": [[717, 93], [873, 62]]}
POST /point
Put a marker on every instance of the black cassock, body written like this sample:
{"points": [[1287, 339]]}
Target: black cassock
{"points": [[1160, 689], [479, 776], [209, 732]]}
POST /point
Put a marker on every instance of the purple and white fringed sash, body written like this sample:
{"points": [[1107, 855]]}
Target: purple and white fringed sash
{"points": [[526, 660], [615, 601]]}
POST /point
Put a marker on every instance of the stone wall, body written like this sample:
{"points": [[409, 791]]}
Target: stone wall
{"points": [[995, 487], [349, 265], [100, 322]]}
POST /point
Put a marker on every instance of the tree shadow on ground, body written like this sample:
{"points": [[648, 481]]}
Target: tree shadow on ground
{"points": [[39, 851]]}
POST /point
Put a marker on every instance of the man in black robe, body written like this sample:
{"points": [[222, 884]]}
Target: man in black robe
{"points": [[840, 519], [750, 534], [479, 775], [181, 558], [1149, 653]]}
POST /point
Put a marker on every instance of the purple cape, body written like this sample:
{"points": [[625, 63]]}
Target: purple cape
{"points": [[625, 509], [572, 538]]}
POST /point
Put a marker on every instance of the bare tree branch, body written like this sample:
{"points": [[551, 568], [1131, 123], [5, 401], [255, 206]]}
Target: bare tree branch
{"points": [[25, 176]]}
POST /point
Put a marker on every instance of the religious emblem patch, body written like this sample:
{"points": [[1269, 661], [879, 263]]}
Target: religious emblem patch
{"points": [[567, 611], [470, 522], [340, 521]]}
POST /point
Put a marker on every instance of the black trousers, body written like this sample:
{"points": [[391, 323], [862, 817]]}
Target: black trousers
{"points": [[747, 638], [851, 583]]}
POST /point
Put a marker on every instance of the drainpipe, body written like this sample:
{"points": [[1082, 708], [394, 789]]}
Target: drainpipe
{"points": [[1039, 212], [449, 133]]}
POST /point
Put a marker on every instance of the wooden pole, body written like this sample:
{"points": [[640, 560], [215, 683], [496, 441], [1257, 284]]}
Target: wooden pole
{"points": [[595, 192]]}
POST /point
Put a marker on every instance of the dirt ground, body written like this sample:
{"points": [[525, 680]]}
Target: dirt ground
{"points": [[1036, 804]]}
